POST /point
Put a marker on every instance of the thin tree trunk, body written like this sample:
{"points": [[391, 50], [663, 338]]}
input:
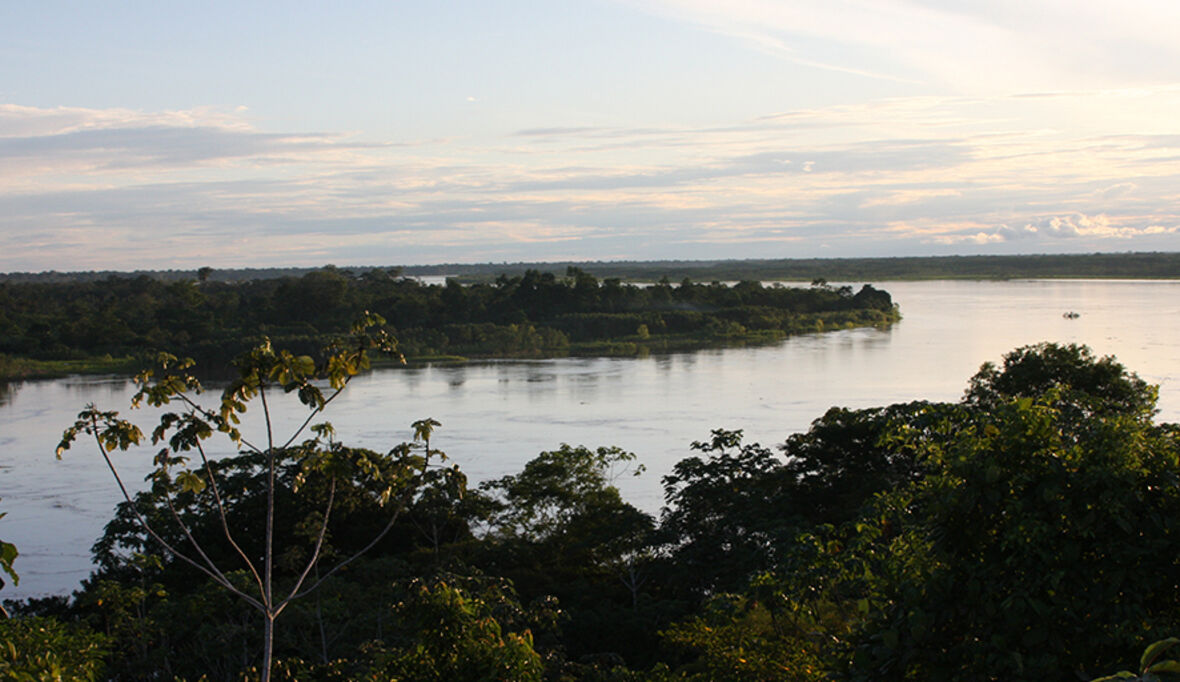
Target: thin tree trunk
{"points": [[319, 616], [268, 639]]}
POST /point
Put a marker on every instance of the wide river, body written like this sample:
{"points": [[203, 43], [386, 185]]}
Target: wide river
{"points": [[497, 415]]}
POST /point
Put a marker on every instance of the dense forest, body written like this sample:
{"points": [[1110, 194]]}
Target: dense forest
{"points": [[1029, 531], [1130, 265], [67, 326]]}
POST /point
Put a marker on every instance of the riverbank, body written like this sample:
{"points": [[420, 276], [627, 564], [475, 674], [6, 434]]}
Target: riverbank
{"points": [[19, 368], [733, 335]]}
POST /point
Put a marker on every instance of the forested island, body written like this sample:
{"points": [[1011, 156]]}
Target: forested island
{"points": [[112, 324], [1027, 531]]}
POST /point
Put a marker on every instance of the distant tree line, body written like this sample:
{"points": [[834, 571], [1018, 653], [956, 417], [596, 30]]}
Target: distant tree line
{"points": [[1095, 265], [1148, 265], [527, 315]]}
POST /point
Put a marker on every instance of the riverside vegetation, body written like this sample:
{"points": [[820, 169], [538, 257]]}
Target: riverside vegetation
{"points": [[113, 324], [1125, 265], [1027, 531]]}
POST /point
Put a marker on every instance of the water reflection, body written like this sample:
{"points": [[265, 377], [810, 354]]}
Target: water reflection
{"points": [[8, 390]]}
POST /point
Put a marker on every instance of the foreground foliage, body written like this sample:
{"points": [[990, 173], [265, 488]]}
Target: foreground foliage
{"points": [[8, 554], [1029, 531], [39, 648], [1152, 666], [188, 508]]}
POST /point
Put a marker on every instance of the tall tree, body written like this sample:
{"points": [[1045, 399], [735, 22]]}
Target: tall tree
{"points": [[264, 375]]}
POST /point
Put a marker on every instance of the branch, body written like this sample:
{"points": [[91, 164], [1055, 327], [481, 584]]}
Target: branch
{"points": [[315, 553], [221, 513], [216, 419], [268, 557], [156, 536], [314, 412], [213, 570], [352, 558], [402, 504]]}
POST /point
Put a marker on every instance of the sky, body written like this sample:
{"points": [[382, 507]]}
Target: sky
{"points": [[161, 135]]}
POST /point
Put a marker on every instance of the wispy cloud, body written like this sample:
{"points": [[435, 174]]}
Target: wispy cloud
{"points": [[47, 146], [995, 47], [104, 188], [126, 147], [548, 132]]}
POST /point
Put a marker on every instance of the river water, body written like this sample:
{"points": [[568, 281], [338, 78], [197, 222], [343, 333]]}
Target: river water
{"points": [[497, 415]]}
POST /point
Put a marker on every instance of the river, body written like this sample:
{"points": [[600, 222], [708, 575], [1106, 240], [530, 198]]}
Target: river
{"points": [[497, 415]]}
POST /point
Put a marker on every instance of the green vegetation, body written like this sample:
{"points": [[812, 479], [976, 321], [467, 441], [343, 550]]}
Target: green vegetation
{"points": [[1033, 266], [1028, 531], [27, 368], [35, 648], [1155, 265], [1151, 668], [8, 554], [55, 328], [308, 461]]}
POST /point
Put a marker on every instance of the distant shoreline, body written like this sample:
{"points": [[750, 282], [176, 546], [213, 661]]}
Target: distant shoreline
{"points": [[1143, 265]]}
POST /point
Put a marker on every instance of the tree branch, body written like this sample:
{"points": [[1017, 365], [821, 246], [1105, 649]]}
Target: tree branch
{"points": [[268, 557], [402, 504], [224, 522], [314, 412], [315, 554], [156, 536], [213, 570], [215, 418]]}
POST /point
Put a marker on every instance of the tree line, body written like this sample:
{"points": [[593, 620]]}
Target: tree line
{"points": [[533, 314], [1027, 531], [1149, 265], [1129, 265]]}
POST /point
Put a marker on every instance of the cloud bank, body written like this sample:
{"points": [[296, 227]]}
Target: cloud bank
{"points": [[114, 188]]}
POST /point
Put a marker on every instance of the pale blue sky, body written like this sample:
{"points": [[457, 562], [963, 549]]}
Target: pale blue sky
{"points": [[168, 134]]}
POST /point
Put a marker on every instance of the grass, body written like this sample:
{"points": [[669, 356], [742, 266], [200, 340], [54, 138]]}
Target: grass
{"points": [[28, 368]]}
